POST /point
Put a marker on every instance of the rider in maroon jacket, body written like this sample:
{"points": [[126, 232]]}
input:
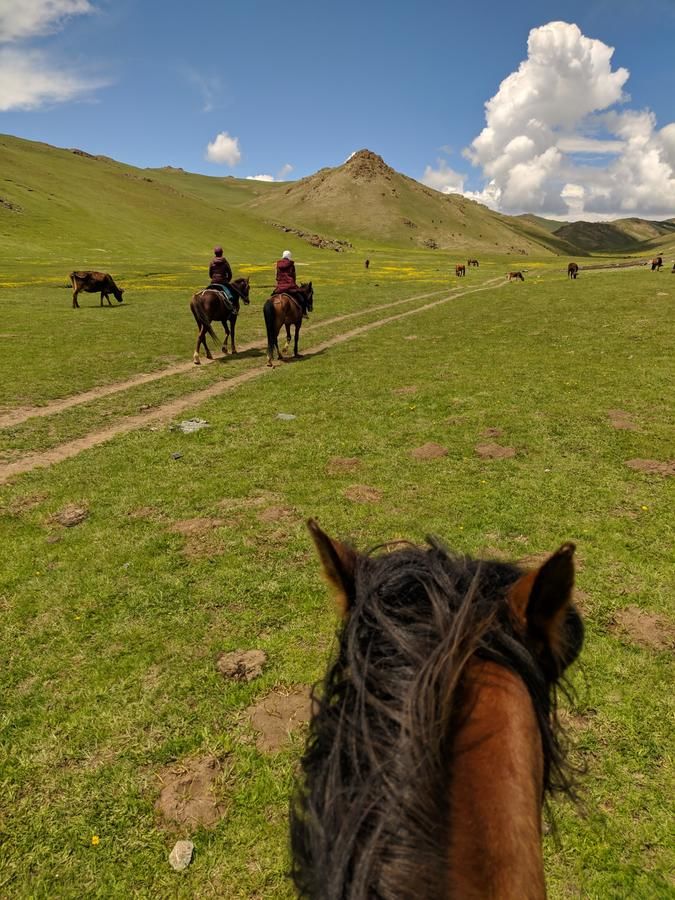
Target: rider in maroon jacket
{"points": [[286, 283], [219, 270]]}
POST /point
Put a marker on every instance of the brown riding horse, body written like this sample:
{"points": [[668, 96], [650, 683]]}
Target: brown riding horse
{"points": [[283, 309], [572, 270], [434, 738], [460, 270], [211, 305], [515, 276], [472, 262], [656, 263]]}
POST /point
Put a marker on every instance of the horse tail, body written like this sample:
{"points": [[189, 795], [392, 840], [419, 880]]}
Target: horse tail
{"points": [[201, 318], [268, 312]]}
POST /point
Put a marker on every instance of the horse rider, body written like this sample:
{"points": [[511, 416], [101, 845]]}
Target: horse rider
{"points": [[220, 274], [286, 283]]}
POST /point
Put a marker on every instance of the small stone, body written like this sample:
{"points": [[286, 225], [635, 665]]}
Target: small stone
{"points": [[189, 426], [176, 456], [71, 515], [286, 417], [181, 855], [241, 665]]}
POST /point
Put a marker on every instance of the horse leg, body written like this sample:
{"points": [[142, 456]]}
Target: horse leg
{"points": [[233, 325], [204, 332], [288, 336], [297, 332], [195, 356], [76, 305], [227, 334]]}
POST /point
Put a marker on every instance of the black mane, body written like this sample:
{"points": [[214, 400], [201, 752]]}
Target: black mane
{"points": [[375, 780]]}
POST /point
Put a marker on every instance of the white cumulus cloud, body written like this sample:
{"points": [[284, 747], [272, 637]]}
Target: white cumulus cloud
{"points": [[555, 143], [260, 178], [284, 171], [443, 178], [224, 150]]}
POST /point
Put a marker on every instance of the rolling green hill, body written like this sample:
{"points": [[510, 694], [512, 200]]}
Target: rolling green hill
{"points": [[69, 207]]}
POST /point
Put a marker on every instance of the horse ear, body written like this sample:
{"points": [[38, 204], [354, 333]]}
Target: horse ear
{"points": [[339, 565], [541, 601]]}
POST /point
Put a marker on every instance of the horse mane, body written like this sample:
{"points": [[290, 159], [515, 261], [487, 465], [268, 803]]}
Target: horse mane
{"points": [[370, 811]]}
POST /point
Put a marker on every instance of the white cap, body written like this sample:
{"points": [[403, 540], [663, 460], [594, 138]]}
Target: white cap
{"points": [[286, 254]]}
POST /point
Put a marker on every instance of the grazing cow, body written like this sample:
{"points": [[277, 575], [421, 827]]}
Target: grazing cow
{"points": [[572, 270], [92, 283], [514, 276], [656, 263], [472, 262], [367, 264], [460, 271]]}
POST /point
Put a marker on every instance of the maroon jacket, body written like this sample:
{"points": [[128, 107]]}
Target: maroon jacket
{"points": [[285, 276], [220, 271]]}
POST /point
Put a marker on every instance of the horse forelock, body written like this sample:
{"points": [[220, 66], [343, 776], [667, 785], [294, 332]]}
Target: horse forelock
{"points": [[371, 811]]}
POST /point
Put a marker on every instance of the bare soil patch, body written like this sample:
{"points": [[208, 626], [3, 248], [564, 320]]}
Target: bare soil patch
{"points": [[405, 391], [621, 420], [491, 433], [201, 539], [191, 792], [71, 515], [241, 665], [23, 504], [336, 465], [430, 450], [495, 451], [276, 514], [361, 493], [652, 466], [278, 715], [646, 629]]}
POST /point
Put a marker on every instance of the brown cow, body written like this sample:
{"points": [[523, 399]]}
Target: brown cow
{"points": [[460, 271], [472, 262], [514, 276], [92, 283]]}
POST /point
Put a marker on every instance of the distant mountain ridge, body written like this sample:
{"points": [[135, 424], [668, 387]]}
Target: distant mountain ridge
{"points": [[70, 202]]}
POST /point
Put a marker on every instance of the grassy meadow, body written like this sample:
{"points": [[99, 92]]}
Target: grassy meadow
{"points": [[195, 544]]}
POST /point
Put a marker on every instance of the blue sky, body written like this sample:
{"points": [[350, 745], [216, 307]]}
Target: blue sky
{"points": [[303, 84]]}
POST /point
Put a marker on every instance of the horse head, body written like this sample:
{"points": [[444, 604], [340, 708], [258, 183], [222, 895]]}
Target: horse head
{"points": [[308, 291], [242, 286]]}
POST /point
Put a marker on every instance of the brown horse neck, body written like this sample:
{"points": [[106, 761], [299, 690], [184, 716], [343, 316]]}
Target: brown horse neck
{"points": [[496, 792]]}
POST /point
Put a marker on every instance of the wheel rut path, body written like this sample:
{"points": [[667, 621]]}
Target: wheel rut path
{"points": [[169, 410]]}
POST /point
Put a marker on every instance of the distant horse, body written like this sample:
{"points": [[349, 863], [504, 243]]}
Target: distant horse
{"points": [[656, 263], [460, 270], [472, 262], [283, 309], [367, 264], [211, 305], [514, 276], [572, 270], [434, 737]]}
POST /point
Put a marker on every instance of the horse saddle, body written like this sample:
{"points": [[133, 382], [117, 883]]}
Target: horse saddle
{"points": [[225, 288]]}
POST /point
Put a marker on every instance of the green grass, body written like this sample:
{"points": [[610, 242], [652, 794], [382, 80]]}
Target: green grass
{"points": [[109, 634]]}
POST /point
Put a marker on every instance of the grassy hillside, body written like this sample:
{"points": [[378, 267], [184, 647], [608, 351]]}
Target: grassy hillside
{"points": [[622, 235], [365, 199]]}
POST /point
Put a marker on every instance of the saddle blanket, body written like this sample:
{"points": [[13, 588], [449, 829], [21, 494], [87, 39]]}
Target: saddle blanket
{"points": [[225, 288]]}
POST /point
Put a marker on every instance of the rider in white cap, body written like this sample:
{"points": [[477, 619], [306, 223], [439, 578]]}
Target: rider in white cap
{"points": [[286, 283]]}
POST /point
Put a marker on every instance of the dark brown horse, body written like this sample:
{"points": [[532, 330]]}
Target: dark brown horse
{"points": [[211, 305], [283, 309], [460, 270], [472, 262], [515, 276], [434, 738], [656, 263], [572, 270]]}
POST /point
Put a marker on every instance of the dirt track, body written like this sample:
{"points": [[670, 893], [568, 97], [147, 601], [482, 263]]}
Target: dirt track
{"points": [[169, 410]]}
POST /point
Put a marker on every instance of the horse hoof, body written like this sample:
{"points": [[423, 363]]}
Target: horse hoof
{"points": [[196, 360], [208, 356]]}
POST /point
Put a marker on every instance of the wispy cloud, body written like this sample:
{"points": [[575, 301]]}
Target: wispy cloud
{"points": [[29, 78], [224, 150], [443, 178], [209, 87]]}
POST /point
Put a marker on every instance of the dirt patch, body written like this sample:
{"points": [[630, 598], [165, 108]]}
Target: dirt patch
{"points": [[201, 538], [70, 515], [410, 337], [491, 432], [405, 391], [189, 792], [576, 722], [279, 714], [652, 466], [276, 514], [361, 493], [241, 665], [339, 464], [621, 420], [261, 498], [146, 512], [23, 504], [644, 628], [495, 451], [429, 450]]}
